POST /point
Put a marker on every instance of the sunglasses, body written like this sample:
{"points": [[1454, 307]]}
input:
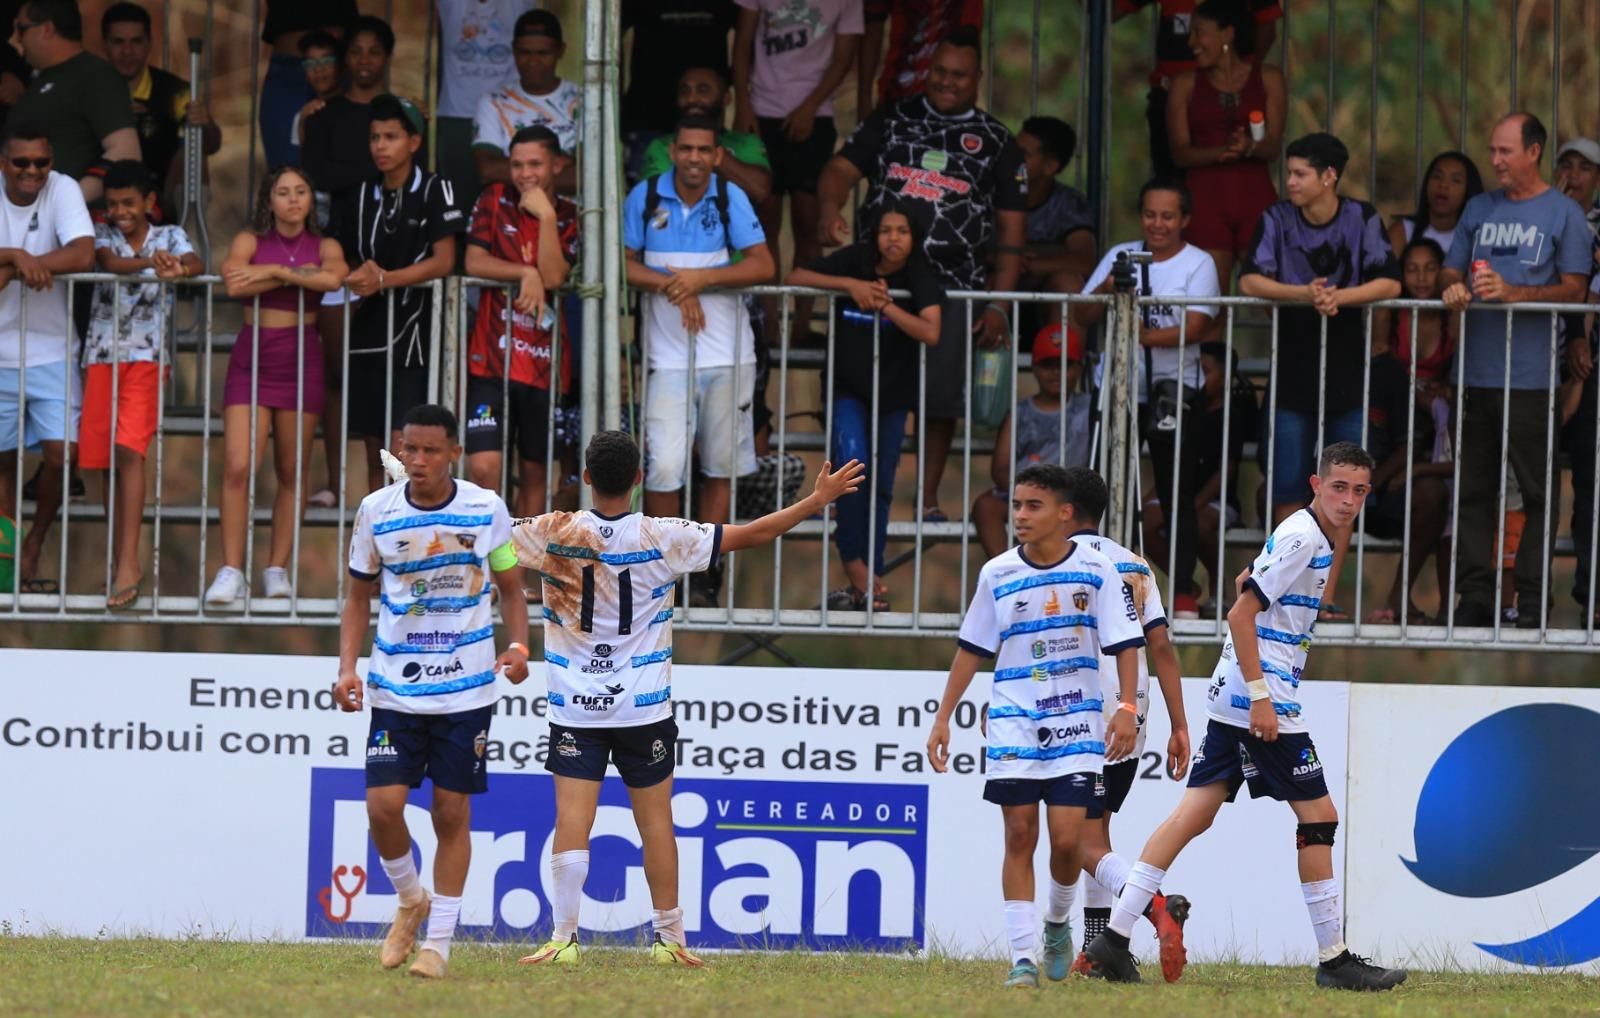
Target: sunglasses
{"points": [[22, 27], [28, 164], [316, 62]]}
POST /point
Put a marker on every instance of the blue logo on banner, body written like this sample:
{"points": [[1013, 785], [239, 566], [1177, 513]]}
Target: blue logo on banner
{"points": [[779, 864], [1497, 815]]}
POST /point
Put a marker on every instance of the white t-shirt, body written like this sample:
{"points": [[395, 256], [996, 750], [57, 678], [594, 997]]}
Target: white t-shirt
{"points": [[609, 584], [508, 109], [55, 219], [434, 652], [476, 38], [1138, 578], [1046, 626], [1443, 239], [794, 45], [1287, 577], [1189, 273]]}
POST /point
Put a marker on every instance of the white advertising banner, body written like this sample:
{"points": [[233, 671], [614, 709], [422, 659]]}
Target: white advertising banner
{"points": [[179, 795], [1473, 826]]}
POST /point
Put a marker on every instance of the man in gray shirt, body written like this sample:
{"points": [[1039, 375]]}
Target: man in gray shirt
{"points": [[1535, 243]]}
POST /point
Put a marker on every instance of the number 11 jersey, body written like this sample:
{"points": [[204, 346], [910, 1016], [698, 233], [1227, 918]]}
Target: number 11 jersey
{"points": [[609, 584]]}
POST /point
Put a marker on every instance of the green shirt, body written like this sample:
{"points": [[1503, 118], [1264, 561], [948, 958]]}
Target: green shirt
{"points": [[78, 102], [747, 148]]}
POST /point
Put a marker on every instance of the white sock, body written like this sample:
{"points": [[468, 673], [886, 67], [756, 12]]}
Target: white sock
{"points": [[568, 870], [442, 924], [1322, 902], [1111, 874], [1142, 884], [1062, 897], [1096, 894], [668, 924], [402, 873], [1022, 929]]}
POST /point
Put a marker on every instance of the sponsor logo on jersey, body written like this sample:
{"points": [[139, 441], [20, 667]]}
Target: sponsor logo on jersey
{"points": [[417, 670], [1053, 606], [1080, 599], [591, 702], [936, 160], [483, 417], [971, 144], [1019, 607], [1309, 764], [1038, 649], [1059, 700], [434, 638], [380, 748], [606, 532], [436, 546], [1049, 736], [450, 581], [603, 650], [1127, 603], [599, 666], [567, 745]]}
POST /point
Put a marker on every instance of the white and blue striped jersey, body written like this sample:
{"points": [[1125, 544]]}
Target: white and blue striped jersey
{"points": [[1046, 626], [1138, 578], [609, 584], [434, 652], [1288, 578]]}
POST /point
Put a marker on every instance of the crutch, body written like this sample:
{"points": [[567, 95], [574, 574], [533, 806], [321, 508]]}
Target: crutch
{"points": [[192, 216]]}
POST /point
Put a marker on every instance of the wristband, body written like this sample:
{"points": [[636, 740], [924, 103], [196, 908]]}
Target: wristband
{"points": [[1130, 708], [520, 647], [996, 306], [1258, 690]]}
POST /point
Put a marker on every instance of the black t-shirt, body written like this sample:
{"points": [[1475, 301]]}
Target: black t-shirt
{"points": [[852, 337], [669, 37], [337, 150], [964, 168], [303, 15], [396, 229]]}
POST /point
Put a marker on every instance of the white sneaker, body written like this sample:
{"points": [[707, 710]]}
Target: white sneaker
{"points": [[227, 587], [275, 582]]}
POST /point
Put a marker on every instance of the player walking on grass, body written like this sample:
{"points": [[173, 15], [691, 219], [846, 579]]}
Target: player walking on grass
{"points": [[1046, 611], [1257, 732], [609, 579], [429, 546]]}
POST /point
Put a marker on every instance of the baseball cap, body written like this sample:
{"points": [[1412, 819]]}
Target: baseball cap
{"points": [[386, 103], [537, 22], [1047, 344], [1584, 147]]}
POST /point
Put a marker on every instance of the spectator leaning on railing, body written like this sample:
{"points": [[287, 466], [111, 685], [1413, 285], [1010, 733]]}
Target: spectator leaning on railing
{"points": [[680, 232], [522, 232], [1536, 246], [44, 231], [128, 326]]}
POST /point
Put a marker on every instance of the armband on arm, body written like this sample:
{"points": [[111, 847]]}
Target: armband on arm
{"points": [[1258, 690]]}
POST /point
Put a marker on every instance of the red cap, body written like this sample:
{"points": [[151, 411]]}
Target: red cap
{"points": [[1047, 344]]}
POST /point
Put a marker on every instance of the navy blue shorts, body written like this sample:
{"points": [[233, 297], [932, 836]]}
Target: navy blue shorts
{"points": [[1119, 782], [1287, 769], [404, 748], [1084, 788], [644, 754]]}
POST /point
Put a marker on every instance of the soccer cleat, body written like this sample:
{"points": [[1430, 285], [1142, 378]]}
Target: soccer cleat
{"points": [[1169, 912], [430, 964], [1353, 972], [1082, 966], [1110, 961], [1024, 973], [402, 935], [558, 952], [1057, 949], [665, 952]]}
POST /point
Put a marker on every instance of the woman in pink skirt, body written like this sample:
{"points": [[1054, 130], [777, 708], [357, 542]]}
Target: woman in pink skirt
{"points": [[279, 268]]}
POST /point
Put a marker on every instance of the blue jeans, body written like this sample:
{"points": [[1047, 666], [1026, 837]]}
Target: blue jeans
{"points": [[852, 436], [1295, 451], [283, 92]]}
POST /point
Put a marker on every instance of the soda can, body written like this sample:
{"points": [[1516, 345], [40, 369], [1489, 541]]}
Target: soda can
{"points": [[1481, 265]]}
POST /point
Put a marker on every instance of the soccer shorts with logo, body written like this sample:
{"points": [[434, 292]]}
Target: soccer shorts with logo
{"points": [[644, 754], [403, 748], [1085, 788], [1287, 769], [1119, 782], [488, 420]]}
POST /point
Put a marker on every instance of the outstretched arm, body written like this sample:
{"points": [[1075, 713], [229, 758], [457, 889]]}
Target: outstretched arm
{"points": [[831, 484]]}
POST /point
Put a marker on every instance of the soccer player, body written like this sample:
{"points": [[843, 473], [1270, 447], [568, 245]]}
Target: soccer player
{"points": [[430, 546], [609, 576], [1046, 611], [1167, 912], [1257, 732]]}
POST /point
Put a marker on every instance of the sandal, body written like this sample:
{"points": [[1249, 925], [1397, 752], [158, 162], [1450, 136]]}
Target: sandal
{"points": [[40, 585], [1331, 612], [849, 599], [933, 514], [123, 597], [324, 499]]}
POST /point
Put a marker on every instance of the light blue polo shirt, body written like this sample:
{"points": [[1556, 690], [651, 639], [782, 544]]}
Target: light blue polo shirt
{"points": [[691, 237]]}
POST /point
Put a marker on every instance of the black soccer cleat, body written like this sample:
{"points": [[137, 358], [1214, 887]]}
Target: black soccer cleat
{"points": [[1111, 961], [1353, 972]]}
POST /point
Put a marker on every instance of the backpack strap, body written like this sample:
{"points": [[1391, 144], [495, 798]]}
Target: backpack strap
{"points": [[652, 199]]}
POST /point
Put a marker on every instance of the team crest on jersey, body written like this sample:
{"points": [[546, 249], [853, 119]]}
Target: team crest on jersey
{"points": [[1080, 600], [935, 160], [603, 650], [660, 219], [1038, 649], [1053, 606], [467, 540], [971, 144], [436, 546], [606, 532]]}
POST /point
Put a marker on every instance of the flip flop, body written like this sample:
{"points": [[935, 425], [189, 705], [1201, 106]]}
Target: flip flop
{"points": [[933, 514], [40, 585], [1331, 612], [124, 597]]}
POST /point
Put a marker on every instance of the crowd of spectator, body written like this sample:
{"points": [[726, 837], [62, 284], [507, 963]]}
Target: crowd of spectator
{"points": [[730, 140]]}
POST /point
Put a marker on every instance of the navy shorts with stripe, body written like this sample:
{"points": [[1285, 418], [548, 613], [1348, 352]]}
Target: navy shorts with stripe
{"points": [[1287, 769], [403, 748], [1085, 788], [643, 754]]}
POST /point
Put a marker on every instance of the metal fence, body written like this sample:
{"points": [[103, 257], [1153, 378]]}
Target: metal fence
{"points": [[785, 589]]}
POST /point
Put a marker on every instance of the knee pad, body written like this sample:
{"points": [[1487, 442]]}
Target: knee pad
{"points": [[1306, 835]]}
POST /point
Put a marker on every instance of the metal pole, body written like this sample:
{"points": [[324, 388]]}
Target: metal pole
{"points": [[1094, 158], [255, 112], [593, 216], [611, 265]]}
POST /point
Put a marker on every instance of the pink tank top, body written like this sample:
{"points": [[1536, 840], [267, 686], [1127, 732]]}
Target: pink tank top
{"points": [[272, 248]]}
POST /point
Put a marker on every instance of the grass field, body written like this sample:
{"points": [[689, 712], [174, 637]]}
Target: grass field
{"points": [[59, 976]]}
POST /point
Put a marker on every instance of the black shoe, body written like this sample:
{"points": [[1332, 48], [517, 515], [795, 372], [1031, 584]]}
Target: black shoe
{"points": [[1352, 972], [1112, 962], [75, 489], [705, 589], [1471, 615]]}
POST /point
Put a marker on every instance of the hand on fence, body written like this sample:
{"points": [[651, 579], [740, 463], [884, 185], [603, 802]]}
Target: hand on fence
{"points": [[348, 692], [1456, 296], [363, 282], [1487, 284], [682, 284], [167, 265], [531, 293], [833, 484], [199, 114], [1324, 298], [990, 329], [869, 296], [31, 269]]}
